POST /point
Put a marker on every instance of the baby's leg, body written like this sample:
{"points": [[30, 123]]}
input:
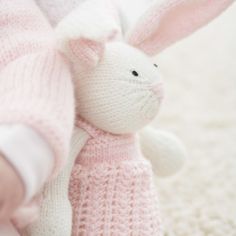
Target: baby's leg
{"points": [[7, 229]]}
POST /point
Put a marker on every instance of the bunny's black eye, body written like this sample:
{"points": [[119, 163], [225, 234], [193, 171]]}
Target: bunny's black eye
{"points": [[155, 65], [135, 73]]}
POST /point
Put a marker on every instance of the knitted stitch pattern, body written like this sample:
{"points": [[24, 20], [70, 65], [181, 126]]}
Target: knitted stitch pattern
{"points": [[83, 37], [35, 81], [111, 188]]}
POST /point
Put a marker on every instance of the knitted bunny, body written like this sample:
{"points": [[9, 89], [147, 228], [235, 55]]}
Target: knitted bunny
{"points": [[118, 92]]}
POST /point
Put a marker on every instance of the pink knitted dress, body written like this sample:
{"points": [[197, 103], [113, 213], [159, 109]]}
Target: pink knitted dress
{"points": [[111, 188]]}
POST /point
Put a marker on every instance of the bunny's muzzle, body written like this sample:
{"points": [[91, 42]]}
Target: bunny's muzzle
{"points": [[158, 90]]}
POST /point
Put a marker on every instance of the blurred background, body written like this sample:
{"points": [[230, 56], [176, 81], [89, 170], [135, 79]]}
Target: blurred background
{"points": [[200, 107]]}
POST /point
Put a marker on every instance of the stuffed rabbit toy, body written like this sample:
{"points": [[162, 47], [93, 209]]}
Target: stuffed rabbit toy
{"points": [[118, 92]]}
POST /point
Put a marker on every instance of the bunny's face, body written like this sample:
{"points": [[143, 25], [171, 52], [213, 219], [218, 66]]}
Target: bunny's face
{"points": [[118, 88], [123, 93]]}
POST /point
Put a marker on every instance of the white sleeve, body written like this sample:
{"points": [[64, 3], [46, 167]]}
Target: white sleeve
{"points": [[29, 154]]}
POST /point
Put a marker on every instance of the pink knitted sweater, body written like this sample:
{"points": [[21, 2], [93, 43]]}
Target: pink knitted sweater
{"points": [[35, 78], [35, 81], [35, 89], [111, 188]]}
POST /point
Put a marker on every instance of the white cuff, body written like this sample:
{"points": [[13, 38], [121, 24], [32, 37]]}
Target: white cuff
{"points": [[29, 154]]}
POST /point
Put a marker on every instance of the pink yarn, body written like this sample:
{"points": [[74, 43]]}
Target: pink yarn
{"points": [[174, 20], [35, 81], [111, 188]]}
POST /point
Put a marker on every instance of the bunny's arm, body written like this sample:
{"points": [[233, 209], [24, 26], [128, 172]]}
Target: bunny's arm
{"points": [[165, 151], [36, 90], [55, 213]]}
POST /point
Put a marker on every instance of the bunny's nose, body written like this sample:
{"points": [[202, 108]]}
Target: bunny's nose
{"points": [[158, 89]]}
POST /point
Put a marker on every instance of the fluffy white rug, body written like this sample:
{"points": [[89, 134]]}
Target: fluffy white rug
{"points": [[200, 107]]}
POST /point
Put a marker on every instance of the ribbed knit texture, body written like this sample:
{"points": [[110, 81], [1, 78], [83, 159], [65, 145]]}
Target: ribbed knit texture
{"points": [[23, 30], [35, 81], [111, 188]]}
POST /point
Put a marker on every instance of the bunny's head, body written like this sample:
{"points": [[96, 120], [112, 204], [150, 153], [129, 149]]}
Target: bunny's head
{"points": [[118, 87]]}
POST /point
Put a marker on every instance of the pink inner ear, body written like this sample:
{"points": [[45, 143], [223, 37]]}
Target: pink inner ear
{"points": [[177, 21], [86, 52], [163, 25]]}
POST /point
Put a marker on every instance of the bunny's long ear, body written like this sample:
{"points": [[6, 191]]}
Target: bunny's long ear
{"points": [[82, 35], [163, 25]]}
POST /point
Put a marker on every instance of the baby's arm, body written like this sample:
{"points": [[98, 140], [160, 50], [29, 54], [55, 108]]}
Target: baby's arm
{"points": [[165, 151], [55, 213], [35, 155], [36, 97]]}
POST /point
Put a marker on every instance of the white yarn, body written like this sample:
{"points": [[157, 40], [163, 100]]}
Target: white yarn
{"points": [[87, 22], [55, 217], [165, 151], [112, 98]]}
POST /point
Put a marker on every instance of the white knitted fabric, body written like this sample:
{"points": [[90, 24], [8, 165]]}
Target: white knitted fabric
{"points": [[51, 234], [164, 149], [200, 107], [131, 96], [55, 214], [113, 78]]}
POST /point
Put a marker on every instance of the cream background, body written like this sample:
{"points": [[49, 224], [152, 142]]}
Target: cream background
{"points": [[200, 107]]}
